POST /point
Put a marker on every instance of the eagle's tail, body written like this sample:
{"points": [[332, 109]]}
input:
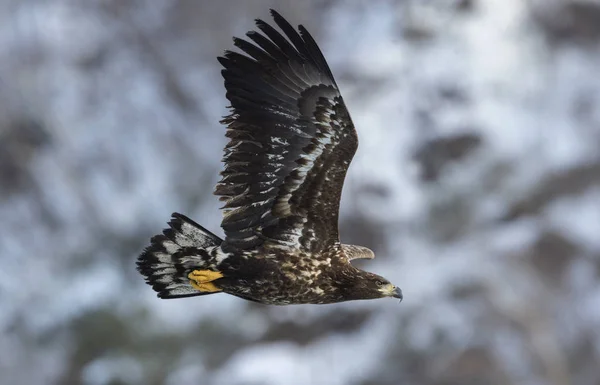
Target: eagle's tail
{"points": [[173, 254]]}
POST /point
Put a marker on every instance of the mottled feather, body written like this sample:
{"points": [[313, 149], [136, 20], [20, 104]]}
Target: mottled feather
{"points": [[357, 252], [291, 142]]}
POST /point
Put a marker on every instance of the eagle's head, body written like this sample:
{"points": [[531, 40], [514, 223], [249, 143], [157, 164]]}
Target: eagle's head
{"points": [[365, 285]]}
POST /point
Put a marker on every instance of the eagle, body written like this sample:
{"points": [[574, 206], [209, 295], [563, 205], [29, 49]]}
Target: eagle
{"points": [[291, 141]]}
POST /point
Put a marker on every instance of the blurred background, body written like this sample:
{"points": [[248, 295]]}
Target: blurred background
{"points": [[477, 183]]}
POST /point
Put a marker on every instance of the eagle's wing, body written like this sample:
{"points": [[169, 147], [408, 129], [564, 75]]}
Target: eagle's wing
{"points": [[357, 252], [291, 141]]}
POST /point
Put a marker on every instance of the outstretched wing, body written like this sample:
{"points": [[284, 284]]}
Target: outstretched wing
{"points": [[291, 141]]}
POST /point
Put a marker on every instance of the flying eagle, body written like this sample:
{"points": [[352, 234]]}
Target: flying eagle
{"points": [[291, 141]]}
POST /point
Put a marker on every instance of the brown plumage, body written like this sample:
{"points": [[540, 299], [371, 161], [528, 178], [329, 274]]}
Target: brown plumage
{"points": [[291, 141]]}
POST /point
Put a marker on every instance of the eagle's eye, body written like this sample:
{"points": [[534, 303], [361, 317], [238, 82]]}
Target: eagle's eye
{"points": [[379, 283]]}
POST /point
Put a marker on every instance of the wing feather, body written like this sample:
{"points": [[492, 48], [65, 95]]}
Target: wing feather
{"points": [[357, 252], [291, 141]]}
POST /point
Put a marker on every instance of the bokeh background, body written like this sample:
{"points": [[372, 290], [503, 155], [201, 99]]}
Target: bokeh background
{"points": [[477, 183]]}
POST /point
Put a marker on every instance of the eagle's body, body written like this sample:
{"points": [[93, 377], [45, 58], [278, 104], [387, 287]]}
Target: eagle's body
{"points": [[261, 276], [291, 141]]}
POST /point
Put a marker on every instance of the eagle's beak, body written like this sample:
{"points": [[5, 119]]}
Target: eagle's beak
{"points": [[390, 290], [398, 293]]}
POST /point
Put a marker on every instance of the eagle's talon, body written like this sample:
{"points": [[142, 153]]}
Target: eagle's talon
{"points": [[207, 287], [204, 276], [201, 280]]}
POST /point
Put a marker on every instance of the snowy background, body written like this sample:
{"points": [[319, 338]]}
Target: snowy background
{"points": [[477, 183]]}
